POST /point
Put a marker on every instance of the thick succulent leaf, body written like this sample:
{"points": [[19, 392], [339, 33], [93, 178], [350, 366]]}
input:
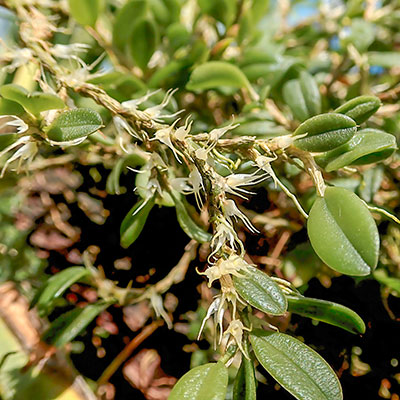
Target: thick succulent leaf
{"points": [[360, 108], [260, 291], [134, 222], [365, 147], [217, 74], [325, 132], [206, 382], [125, 20], [186, 222], [296, 367], [66, 327], [326, 311], [245, 384], [143, 41], [74, 124], [343, 232], [85, 12], [56, 286]]}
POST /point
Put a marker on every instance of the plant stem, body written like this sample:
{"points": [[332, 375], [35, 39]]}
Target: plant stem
{"points": [[127, 351]]}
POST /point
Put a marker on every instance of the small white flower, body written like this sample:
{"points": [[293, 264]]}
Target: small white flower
{"points": [[121, 125], [26, 153], [233, 265], [232, 183], [235, 329], [132, 105], [13, 120], [154, 112], [224, 233], [231, 210], [183, 131], [67, 51], [17, 57]]}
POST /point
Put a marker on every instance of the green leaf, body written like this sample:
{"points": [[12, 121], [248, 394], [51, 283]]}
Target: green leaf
{"points": [[310, 91], [326, 311], [386, 59], [74, 124], [343, 233], [55, 288], [360, 108], [222, 10], [125, 20], [260, 291], [68, 326], [295, 100], [217, 74], [371, 182], [245, 384], [34, 103], [186, 222], [325, 132], [134, 222], [9, 107], [143, 41], [85, 12], [296, 367], [365, 147], [206, 382], [382, 277]]}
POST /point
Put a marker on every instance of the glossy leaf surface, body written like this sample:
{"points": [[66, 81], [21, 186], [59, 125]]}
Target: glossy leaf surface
{"points": [[343, 232], [365, 147], [134, 222], [187, 224], [245, 384], [326, 311], [206, 382], [360, 108], [325, 132], [69, 325], [56, 286], [296, 367], [260, 291]]}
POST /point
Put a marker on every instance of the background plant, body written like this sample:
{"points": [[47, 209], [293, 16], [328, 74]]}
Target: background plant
{"points": [[198, 107]]}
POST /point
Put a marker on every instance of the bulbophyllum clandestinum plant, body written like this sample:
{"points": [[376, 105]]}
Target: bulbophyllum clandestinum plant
{"points": [[202, 105]]}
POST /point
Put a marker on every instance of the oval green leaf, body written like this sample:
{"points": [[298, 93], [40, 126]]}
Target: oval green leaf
{"points": [[143, 41], [325, 132], [187, 224], [296, 367], [74, 124], [260, 291], [69, 325], [206, 382], [365, 147], [245, 384], [85, 12], [294, 98], [360, 108], [343, 233], [310, 91], [125, 19], [217, 74], [55, 287], [326, 311], [134, 222]]}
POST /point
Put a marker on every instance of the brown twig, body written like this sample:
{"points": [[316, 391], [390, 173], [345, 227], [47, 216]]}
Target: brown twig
{"points": [[127, 351]]}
